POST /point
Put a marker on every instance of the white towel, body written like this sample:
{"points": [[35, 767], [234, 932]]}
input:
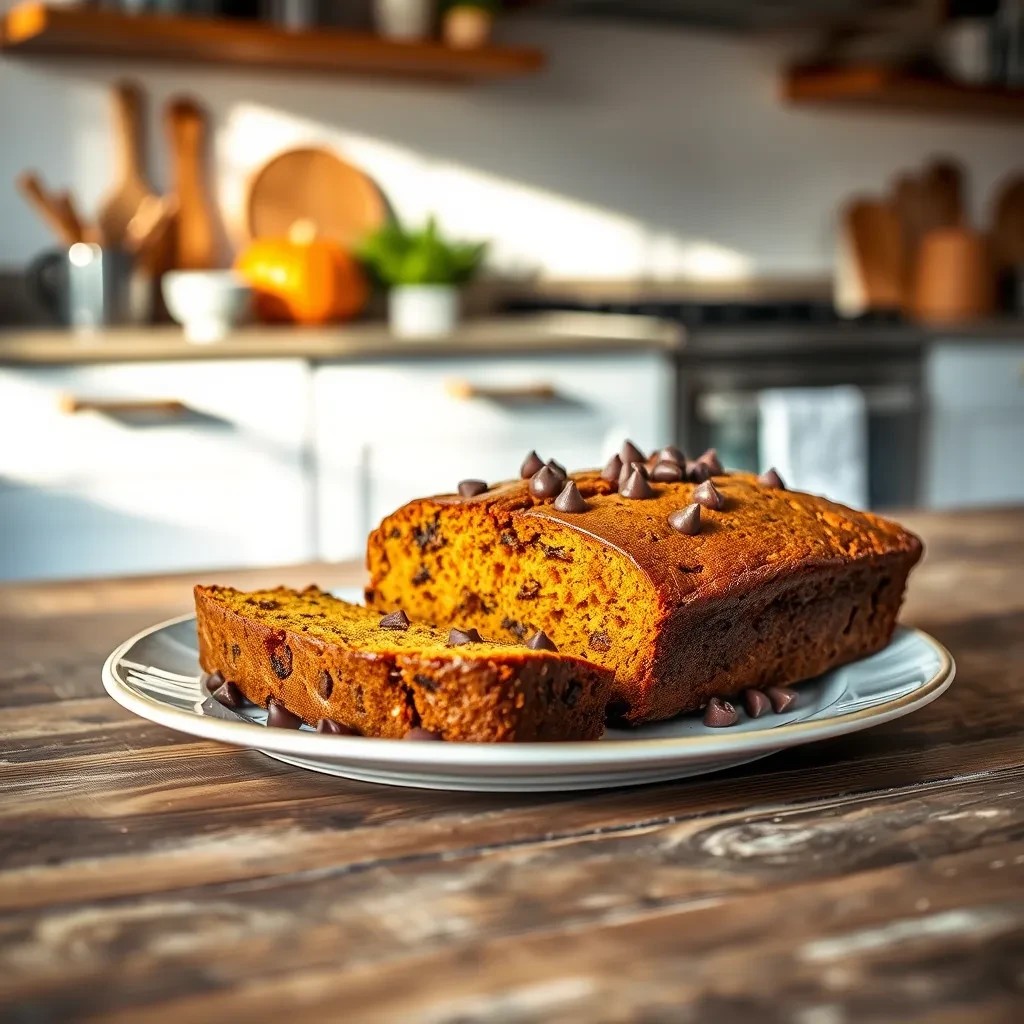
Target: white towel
{"points": [[817, 439]]}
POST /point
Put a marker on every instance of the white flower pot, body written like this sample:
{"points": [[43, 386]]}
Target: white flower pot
{"points": [[423, 310], [404, 19]]}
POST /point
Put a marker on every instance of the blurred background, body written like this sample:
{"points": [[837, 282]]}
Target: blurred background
{"points": [[269, 268]]}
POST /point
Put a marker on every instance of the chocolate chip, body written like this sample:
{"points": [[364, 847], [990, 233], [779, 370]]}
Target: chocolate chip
{"points": [[612, 470], [328, 725], [771, 478], [457, 637], [630, 453], [709, 496], [636, 487], [698, 472], [422, 734], [782, 698], [531, 464], [325, 685], [627, 472], [710, 459], [396, 620], [212, 681], [572, 693], [719, 714], [557, 467], [545, 483], [570, 500], [686, 520], [471, 488], [670, 453], [281, 661], [667, 472], [230, 696], [540, 641], [279, 717], [757, 703]]}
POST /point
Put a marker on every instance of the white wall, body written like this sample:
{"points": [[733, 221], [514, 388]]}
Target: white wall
{"points": [[640, 152]]}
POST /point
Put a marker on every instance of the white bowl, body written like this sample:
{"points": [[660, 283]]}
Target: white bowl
{"points": [[207, 303]]}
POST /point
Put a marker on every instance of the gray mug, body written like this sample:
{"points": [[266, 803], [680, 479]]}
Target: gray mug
{"points": [[86, 287]]}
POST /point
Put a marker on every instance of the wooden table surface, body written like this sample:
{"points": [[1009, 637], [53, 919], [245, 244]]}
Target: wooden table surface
{"points": [[145, 876]]}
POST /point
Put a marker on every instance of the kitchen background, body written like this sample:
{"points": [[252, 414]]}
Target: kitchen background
{"points": [[666, 233]]}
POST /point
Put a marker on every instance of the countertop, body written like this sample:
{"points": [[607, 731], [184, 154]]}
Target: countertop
{"points": [[544, 332], [548, 333], [148, 876]]}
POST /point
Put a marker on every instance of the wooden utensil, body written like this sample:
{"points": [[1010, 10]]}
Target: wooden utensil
{"points": [[954, 280], [876, 246], [944, 186], [194, 232], [1008, 223], [151, 222], [54, 212], [130, 187], [313, 184]]}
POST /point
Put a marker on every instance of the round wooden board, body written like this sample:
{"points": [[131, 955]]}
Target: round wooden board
{"points": [[316, 185]]}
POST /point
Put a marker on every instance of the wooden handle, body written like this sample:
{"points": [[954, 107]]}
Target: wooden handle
{"points": [[146, 229], [128, 131], [49, 208], [169, 407], [466, 390], [196, 245]]}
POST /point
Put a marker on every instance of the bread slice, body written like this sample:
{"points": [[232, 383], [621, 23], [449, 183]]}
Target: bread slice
{"points": [[760, 587], [323, 658]]}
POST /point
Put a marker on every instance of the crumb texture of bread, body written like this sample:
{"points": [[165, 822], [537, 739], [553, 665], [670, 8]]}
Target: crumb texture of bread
{"points": [[777, 587], [325, 658]]}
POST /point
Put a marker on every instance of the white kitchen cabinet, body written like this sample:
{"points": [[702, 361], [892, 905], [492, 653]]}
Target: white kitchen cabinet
{"points": [[975, 451], [128, 468], [392, 431]]}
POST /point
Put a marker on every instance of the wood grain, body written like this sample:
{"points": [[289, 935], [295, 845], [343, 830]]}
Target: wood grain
{"points": [[149, 876], [36, 29]]}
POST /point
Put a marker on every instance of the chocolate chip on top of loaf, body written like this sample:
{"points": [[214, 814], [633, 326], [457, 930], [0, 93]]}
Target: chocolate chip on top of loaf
{"points": [[308, 655], [686, 588]]}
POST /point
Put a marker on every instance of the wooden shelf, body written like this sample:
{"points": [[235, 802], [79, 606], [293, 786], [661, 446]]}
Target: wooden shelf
{"points": [[32, 29], [884, 88]]}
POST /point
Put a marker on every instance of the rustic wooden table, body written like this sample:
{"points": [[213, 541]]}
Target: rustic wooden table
{"points": [[145, 876]]}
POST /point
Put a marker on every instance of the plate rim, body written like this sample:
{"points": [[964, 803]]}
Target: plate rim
{"points": [[569, 754]]}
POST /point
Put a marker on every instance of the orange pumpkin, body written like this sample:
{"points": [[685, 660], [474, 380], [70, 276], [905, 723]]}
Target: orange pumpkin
{"points": [[303, 279]]}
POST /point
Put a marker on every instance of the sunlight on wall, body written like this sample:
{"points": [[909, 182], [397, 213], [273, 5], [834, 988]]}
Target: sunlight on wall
{"points": [[526, 224]]}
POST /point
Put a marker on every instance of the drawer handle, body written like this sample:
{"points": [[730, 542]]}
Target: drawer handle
{"points": [[520, 393], [168, 407]]}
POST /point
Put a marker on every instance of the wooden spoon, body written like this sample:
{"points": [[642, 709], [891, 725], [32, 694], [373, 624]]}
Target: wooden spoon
{"points": [[195, 237], [130, 187], [51, 208]]}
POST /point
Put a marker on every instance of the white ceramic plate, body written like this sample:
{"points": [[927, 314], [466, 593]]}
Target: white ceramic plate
{"points": [[156, 675]]}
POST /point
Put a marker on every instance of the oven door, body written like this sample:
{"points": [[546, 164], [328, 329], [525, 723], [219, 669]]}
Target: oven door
{"points": [[720, 410]]}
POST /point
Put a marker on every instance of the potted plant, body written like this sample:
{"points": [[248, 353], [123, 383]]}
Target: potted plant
{"points": [[467, 24], [406, 20], [423, 272]]}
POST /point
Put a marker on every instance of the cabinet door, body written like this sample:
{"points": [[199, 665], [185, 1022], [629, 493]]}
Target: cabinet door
{"points": [[976, 425], [154, 467], [388, 433]]}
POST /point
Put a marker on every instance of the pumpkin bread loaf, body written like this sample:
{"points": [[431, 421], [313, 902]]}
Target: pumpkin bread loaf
{"points": [[323, 659], [688, 582]]}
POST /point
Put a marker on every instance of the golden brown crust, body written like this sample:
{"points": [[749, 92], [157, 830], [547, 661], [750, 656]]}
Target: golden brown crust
{"points": [[778, 586], [325, 658]]}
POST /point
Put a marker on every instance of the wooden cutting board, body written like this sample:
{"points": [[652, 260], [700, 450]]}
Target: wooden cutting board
{"points": [[873, 257], [194, 229], [130, 187], [314, 185]]}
